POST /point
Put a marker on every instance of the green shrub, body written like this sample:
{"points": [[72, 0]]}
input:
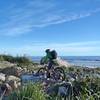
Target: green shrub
{"points": [[21, 61], [32, 91]]}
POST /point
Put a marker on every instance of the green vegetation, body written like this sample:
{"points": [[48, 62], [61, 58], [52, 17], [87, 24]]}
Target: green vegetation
{"points": [[82, 90], [32, 91], [20, 61], [87, 89]]}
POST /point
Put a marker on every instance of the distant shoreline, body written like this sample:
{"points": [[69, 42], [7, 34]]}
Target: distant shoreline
{"points": [[84, 61]]}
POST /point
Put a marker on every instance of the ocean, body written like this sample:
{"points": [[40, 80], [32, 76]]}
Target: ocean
{"points": [[84, 61]]}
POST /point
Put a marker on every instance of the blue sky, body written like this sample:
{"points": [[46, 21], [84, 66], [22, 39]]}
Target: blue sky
{"points": [[72, 27]]}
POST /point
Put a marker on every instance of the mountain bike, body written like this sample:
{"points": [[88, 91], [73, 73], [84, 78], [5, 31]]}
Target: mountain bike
{"points": [[56, 73]]}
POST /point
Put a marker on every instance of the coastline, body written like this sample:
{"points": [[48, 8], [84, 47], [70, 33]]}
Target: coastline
{"points": [[83, 61], [23, 73]]}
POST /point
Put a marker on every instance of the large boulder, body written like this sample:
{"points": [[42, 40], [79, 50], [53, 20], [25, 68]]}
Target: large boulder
{"points": [[13, 81], [61, 89], [2, 77], [14, 78]]}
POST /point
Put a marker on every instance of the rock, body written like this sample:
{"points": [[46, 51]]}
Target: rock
{"points": [[13, 81], [13, 84], [61, 89], [14, 78], [65, 89], [5, 64], [2, 77], [53, 90], [14, 70], [5, 91]]}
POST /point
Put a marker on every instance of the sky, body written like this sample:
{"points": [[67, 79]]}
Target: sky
{"points": [[71, 27]]}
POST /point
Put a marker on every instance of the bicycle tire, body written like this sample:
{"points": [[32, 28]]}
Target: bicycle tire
{"points": [[42, 71], [61, 71]]}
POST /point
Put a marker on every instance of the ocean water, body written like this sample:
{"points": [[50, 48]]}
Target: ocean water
{"points": [[84, 61]]}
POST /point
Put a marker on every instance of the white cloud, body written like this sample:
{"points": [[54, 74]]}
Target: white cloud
{"points": [[36, 14]]}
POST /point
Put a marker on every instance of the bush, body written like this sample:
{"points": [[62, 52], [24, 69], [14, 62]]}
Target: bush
{"points": [[21, 61]]}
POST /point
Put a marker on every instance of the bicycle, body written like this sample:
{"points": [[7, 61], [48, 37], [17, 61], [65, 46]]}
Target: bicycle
{"points": [[56, 73]]}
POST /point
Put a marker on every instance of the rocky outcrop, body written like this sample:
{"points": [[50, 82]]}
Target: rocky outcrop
{"points": [[5, 64]]}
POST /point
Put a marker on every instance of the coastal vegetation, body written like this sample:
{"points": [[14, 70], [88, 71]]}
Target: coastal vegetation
{"points": [[32, 91], [84, 83], [17, 59]]}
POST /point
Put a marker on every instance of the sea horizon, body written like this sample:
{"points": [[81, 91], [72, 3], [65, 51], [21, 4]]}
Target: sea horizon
{"points": [[84, 61]]}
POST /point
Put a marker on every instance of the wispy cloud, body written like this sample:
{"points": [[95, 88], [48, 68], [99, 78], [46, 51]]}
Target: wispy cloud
{"points": [[77, 48], [36, 14]]}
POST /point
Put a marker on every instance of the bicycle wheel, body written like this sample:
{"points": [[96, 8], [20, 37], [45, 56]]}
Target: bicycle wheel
{"points": [[42, 71], [59, 73]]}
